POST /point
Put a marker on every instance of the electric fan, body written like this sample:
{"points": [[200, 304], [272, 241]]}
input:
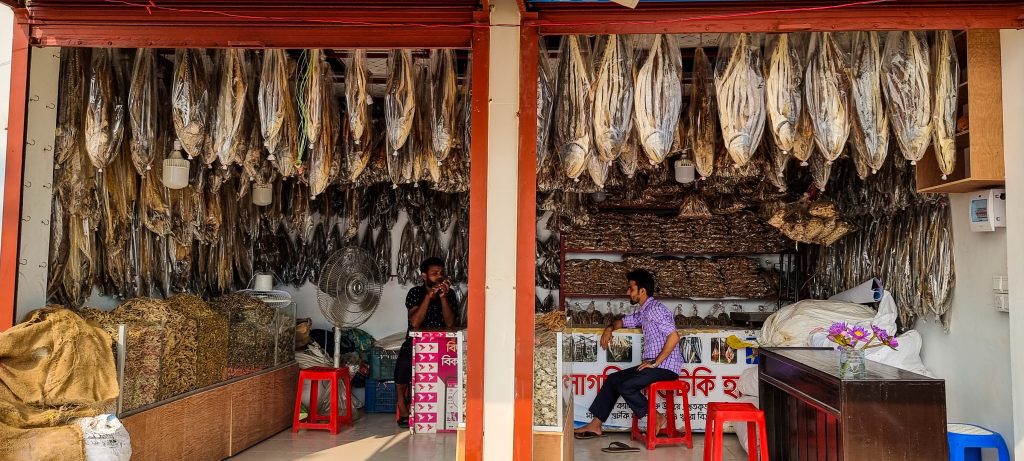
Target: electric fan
{"points": [[348, 291]]}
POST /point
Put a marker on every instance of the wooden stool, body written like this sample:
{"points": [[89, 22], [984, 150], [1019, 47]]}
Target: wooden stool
{"points": [[719, 413], [314, 420], [670, 388]]}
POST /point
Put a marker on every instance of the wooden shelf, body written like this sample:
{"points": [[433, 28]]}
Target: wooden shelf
{"points": [[979, 151]]}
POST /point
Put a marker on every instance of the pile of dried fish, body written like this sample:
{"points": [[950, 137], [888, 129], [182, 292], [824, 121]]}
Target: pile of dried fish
{"points": [[739, 86], [144, 349], [736, 233], [212, 338], [180, 355], [677, 277], [817, 222]]}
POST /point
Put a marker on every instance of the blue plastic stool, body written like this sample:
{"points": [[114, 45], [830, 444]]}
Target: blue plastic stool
{"points": [[967, 440]]}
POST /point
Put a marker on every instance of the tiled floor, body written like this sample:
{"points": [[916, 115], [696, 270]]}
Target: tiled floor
{"points": [[375, 437]]}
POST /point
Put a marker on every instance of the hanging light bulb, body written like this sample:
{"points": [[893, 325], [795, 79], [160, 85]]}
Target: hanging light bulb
{"points": [[262, 194], [176, 169], [685, 170]]}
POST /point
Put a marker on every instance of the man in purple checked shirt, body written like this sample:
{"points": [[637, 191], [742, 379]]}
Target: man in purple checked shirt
{"points": [[661, 358]]}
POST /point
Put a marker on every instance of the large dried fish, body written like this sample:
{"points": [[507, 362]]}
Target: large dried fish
{"points": [[545, 104], [784, 88], [230, 139], [105, 113], [399, 99], [278, 119], [383, 251], [312, 80], [827, 89], [703, 128], [613, 97], [405, 255], [598, 170], [143, 109], [358, 101], [739, 87], [191, 100], [906, 75], [443, 96], [803, 144], [71, 100], [947, 79], [821, 169], [871, 122], [629, 158], [322, 151], [658, 98], [573, 129]]}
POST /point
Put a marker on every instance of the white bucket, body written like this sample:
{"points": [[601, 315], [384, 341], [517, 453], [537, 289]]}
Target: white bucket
{"points": [[264, 282], [262, 194]]}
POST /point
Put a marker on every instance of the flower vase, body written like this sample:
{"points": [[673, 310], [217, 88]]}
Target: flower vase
{"points": [[851, 363]]}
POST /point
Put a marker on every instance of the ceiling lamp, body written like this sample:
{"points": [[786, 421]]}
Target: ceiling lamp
{"points": [[176, 169]]}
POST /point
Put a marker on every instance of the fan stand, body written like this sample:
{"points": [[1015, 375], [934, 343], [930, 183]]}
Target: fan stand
{"points": [[337, 347]]}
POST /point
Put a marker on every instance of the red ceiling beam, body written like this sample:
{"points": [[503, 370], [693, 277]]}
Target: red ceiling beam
{"points": [[683, 19]]}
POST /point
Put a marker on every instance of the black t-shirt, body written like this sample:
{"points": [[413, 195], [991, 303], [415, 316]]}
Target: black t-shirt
{"points": [[435, 316]]}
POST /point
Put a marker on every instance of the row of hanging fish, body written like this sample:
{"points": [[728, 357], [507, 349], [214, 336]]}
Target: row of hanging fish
{"points": [[616, 97]]}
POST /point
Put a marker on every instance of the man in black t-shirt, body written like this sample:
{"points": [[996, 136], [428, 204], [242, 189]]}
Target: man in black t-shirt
{"points": [[431, 305]]}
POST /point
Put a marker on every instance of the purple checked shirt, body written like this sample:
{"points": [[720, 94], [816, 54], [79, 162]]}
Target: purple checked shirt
{"points": [[657, 323]]}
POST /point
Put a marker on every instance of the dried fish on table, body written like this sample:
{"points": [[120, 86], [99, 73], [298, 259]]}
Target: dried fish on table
{"points": [[143, 109], [870, 121], [230, 137], [739, 87], [573, 129], [784, 88], [71, 100], [105, 112], [613, 97], [443, 96], [191, 100], [827, 89], [906, 75], [703, 128], [278, 118], [399, 99], [947, 80], [658, 98], [545, 104]]}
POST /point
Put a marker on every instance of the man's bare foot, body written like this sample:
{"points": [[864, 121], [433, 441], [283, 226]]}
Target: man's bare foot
{"points": [[593, 426], [661, 421]]}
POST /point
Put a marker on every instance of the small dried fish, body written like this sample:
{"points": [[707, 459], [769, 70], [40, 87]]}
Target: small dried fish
{"points": [[573, 129], [405, 255], [703, 129], [105, 112], [399, 99], [358, 101], [906, 75], [947, 80], [191, 100], [658, 98], [230, 139], [739, 87], [613, 98], [820, 170], [443, 96], [143, 100], [784, 88], [629, 158], [871, 122], [827, 89], [545, 104]]}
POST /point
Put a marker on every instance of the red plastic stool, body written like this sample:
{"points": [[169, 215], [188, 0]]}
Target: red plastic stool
{"points": [[719, 413], [670, 388], [315, 420]]}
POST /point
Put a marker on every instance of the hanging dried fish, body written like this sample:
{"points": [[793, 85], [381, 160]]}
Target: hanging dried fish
{"points": [[613, 97], [906, 75], [105, 113], [310, 88], [443, 96], [230, 138], [358, 101], [629, 157], [322, 151], [947, 80], [598, 170], [703, 129], [658, 98], [143, 100], [827, 89], [191, 100], [278, 118], [71, 99], [573, 129], [545, 104], [784, 88], [383, 251], [803, 144], [820, 170], [739, 86], [871, 122], [399, 99], [694, 207], [405, 255]]}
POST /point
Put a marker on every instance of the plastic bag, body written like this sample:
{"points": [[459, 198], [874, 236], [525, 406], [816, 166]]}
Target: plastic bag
{"points": [[105, 439]]}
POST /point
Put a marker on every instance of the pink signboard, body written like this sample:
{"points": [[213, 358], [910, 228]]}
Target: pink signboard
{"points": [[436, 399]]}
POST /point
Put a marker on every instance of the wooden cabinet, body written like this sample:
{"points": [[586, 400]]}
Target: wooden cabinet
{"points": [[979, 139]]}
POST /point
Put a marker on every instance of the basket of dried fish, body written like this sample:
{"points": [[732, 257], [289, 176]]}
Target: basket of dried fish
{"points": [[144, 351]]}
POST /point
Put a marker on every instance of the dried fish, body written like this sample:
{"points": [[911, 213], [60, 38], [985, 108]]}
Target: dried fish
{"points": [[191, 100], [871, 122], [739, 86], [383, 251], [311, 86], [947, 79], [358, 102], [278, 118], [399, 99], [906, 75], [598, 170], [703, 129], [405, 255], [827, 89], [573, 129], [71, 100], [322, 151], [658, 98], [143, 107], [545, 104], [613, 97], [443, 96], [230, 137], [784, 88], [803, 144], [820, 170], [629, 157], [105, 112]]}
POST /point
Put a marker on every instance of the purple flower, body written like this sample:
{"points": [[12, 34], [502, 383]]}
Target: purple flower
{"points": [[893, 343], [858, 334], [882, 335], [837, 328]]}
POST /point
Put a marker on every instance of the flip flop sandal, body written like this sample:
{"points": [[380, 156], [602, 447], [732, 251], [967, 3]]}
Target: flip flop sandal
{"points": [[587, 435], [619, 447]]}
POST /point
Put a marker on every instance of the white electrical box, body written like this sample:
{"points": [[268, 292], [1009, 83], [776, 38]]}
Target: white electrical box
{"points": [[988, 210]]}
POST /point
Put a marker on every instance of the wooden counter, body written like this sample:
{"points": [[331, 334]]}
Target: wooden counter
{"points": [[813, 414]]}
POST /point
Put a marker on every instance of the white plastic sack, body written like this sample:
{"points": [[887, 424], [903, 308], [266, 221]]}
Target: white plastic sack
{"points": [[105, 439]]}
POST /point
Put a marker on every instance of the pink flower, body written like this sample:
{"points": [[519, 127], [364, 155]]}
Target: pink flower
{"points": [[837, 328], [858, 334]]}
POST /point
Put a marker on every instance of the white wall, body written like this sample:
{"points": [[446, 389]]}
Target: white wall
{"points": [[974, 357]]}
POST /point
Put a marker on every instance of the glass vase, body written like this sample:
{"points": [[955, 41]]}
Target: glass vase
{"points": [[851, 364]]}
